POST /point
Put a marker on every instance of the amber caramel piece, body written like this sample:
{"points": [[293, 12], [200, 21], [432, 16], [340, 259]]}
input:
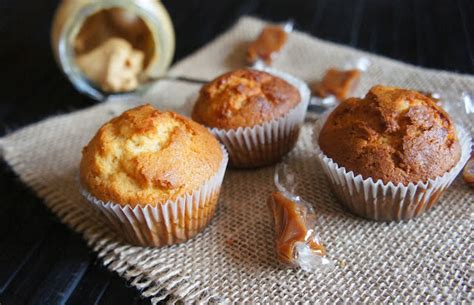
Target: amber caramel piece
{"points": [[271, 40], [468, 172], [339, 83], [291, 226]]}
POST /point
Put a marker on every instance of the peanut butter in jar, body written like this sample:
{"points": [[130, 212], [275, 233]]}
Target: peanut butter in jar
{"points": [[112, 46]]}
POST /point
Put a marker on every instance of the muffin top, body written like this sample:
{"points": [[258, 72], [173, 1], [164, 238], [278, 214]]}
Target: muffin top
{"points": [[145, 156], [391, 134], [244, 98]]}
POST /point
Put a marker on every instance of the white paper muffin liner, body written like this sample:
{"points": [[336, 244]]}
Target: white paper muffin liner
{"points": [[168, 223], [379, 201], [266, 143]]}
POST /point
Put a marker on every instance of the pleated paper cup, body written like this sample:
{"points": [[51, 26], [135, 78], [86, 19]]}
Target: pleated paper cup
{"points": [[266, 143], [168, 223], [387, 201]]}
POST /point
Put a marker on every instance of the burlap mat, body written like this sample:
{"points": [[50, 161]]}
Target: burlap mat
{"points": [[426, 259]]}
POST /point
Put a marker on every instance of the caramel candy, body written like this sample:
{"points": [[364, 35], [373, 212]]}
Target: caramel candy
{"points": [[339, 83], [271, 40], [468, 172], [294, 224]]}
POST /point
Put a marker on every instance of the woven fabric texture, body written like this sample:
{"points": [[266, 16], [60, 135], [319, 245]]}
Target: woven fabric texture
{"points": [[233, 260]]}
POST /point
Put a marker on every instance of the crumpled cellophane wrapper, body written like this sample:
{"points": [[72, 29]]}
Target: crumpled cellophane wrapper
{"points": [[297, 231]]}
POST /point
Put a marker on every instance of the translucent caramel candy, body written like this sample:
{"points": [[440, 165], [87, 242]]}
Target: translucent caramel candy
{"points": [[270, 41], [339, 83], [297, 231], [294, 224], [468, 172]]}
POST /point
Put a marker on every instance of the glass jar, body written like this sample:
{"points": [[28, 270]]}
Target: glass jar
{"points": [[82, 24]]}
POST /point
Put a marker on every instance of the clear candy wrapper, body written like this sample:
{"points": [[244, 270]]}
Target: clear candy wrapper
{"points": [[460, 107], [297, 232]]}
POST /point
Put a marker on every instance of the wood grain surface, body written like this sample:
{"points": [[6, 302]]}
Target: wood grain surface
{"points": [[41, 261]]}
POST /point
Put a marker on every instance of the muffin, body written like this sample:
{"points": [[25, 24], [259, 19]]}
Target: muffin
{"points": [[257, 115], [146, 169], [390, 154]]}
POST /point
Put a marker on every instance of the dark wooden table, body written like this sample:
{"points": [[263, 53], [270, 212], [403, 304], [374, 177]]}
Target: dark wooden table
{"points": [[41, 261]]}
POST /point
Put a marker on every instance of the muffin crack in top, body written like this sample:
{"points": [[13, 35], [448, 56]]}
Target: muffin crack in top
{"points": [[244, 98], [392, 134], [147, 156]]}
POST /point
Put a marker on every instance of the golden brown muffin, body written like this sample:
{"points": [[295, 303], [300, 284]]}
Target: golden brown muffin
{"points": [[145, 156], [392, 134], [244, 98]]}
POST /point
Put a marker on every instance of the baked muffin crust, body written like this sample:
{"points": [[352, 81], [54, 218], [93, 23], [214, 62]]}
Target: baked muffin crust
{"points": [[244, 98], [391, 134], [145, 156]]}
